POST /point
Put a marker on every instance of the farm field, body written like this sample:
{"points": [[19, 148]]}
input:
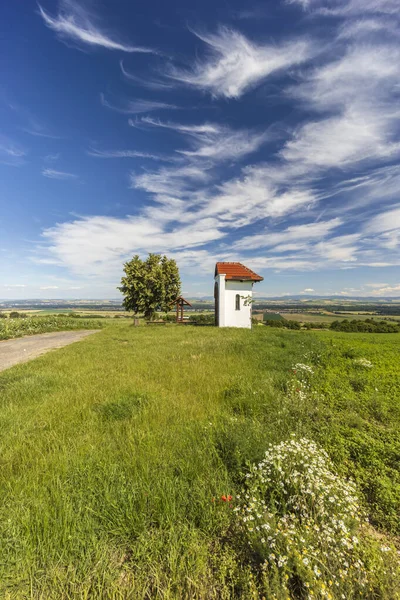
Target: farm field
{"points": [[309, 317], [13, 328], [117, 454]]}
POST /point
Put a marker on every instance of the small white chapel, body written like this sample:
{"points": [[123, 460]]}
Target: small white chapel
{"points": [[233, 292]]}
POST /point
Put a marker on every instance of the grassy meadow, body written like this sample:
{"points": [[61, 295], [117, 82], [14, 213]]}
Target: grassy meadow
{"points": [[120, 454]]}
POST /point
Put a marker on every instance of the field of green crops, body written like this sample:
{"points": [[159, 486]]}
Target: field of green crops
{"points": [[12, 328], [126, 460]]}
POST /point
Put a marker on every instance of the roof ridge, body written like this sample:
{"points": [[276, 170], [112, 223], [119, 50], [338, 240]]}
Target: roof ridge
{"points": [[242, 272]]}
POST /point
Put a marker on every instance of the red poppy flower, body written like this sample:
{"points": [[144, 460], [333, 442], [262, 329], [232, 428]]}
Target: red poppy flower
{"points": [[229, 498], [223, 498]]}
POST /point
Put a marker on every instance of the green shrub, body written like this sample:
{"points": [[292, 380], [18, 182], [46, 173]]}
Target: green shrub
{"points": [[367, 326]]}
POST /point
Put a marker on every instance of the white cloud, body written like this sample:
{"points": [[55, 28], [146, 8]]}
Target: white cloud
{"points": [[359, 89], [133, 107], [62, 175], [308, 290], [171, 181], [339, 249], [365, 27], [204, 128], [349, 7], [305, 232], [236, 64], [213, 142], [152, 84], [49, 287], [385, 221], [385, 289], [125, 154], [52, 157], [11, 153], [339, 141], [73, 23], [252, 197], [98, 246], [385, 230], [190, 207], [14, 285], [359, 7]]}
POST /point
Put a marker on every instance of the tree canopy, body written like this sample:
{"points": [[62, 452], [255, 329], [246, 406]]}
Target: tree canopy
{"points": [[150, 285]]}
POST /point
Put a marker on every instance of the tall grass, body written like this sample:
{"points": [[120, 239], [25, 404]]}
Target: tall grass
{"points": [[13, 328], [116, 451]]}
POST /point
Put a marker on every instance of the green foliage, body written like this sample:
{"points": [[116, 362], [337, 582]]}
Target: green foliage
{"points": [[13, 328], [315, 325], [205, 319], [367, 326], [16, 315], [150, 285], [287, 324]]}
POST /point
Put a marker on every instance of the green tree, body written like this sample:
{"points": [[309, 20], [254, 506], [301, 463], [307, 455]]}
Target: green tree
{"points": [[150, 285]]}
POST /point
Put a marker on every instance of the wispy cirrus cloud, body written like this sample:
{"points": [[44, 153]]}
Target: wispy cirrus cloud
{"points": [[212, 141], [125, 154], [356, 94], [151, 84], [11, 153], [62, 175], [236, 64], [73, 23], [204, 128], [137, 106], [349, 7], [295, 233], [265, 213]]}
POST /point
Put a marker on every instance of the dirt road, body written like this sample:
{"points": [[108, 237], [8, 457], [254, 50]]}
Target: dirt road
{"points": [[13, 352]]}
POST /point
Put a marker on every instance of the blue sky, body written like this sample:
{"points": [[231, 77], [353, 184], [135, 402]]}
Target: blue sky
{"points": [[261, 132]]}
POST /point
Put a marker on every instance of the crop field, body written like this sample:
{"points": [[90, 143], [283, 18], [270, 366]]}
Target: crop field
{"points": [[125, 461], [13, 328], [310, 317]]}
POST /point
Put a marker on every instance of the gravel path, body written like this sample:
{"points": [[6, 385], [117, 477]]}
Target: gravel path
{"points": [[13, 352]]}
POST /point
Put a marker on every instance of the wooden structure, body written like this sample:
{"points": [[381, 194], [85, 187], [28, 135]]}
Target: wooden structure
{"points": [[180, 303]]}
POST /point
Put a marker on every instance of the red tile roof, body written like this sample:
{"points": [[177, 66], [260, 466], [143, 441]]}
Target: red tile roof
{"points": [[235, 270]]}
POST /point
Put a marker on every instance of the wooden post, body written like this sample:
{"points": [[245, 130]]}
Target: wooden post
{"points": [[136, 322]]}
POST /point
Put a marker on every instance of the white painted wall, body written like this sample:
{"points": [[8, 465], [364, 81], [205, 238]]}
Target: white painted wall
{"points": [[228, 315]]}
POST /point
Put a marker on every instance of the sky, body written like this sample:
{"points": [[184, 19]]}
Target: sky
{"points": [[266, 133]]}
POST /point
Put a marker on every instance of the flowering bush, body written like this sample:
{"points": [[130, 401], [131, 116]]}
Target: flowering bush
{"points": [[364, 363], [304, 368], [306, 524]]}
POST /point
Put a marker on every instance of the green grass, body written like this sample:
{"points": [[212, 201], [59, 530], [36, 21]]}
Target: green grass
{"points": [[113, 449], [13, 328]]}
